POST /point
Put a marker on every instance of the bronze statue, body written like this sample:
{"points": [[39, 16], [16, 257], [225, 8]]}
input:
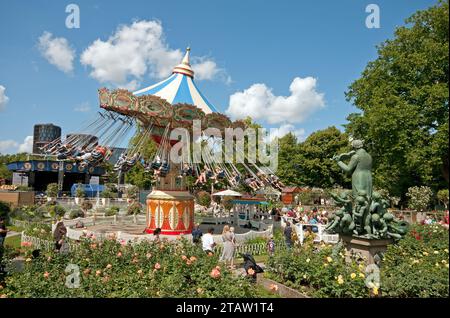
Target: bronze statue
{"points": [[364, 212]]}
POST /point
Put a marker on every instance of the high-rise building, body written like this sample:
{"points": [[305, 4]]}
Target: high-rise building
{"points": [[43, 134]]}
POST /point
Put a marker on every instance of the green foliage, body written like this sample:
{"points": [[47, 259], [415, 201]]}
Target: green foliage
{"points": [[5, 159], [288, 151], [204, 198], [418, 265], [415, 266], [319, 272], [76, 213], [403, 98], [39, 230], [29, 213], [442, 196], [109, 270], [113, 210], [106, 194], [4, 209], [86, 205], [52, 190], [55, 210], [134, 208], [132, 192], [138, 177], [419, 197], [79, 192], [315, 167]]}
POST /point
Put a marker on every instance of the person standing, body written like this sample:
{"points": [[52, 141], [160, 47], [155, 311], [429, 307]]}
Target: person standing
{"points": [[197, 234], [59, 234], [271, 246], [208, 241], [228, 246], [288, 234], [156, 234], [3, 232]]}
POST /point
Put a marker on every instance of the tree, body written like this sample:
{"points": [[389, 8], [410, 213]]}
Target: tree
{"points": [[442, 196], [288, 151], [314, 164], [403, 96], [419, 197]]}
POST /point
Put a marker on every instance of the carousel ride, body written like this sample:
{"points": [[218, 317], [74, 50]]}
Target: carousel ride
{"points": [[154, 112]]}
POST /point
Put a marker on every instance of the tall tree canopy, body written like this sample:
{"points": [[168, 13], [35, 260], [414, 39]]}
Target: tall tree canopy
{"points": [[403, 96], [314, 162]]}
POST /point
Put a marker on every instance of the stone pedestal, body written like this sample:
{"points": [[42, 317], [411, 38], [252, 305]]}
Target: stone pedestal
{"points": [[369, 249]]}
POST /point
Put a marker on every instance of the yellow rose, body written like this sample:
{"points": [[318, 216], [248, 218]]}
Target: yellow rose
{"points": [[340, 280], [361, 266], [446, 250], [353, 275], [362, 275], [375, 291], [308, 260], [436, 252], [325, 264], [444, 261], [329, 259]]}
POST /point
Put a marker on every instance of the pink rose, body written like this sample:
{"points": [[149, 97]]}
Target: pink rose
{"points": [[157, 266], [215, 273], [46, 275]]}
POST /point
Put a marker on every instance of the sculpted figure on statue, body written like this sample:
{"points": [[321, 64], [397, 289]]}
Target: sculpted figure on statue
{"points": [[363, 212]]}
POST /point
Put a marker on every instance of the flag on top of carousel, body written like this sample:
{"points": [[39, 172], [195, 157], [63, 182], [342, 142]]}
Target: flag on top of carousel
{"points": [[180, 88]]}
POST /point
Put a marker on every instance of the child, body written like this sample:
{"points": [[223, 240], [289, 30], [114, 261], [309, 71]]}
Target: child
{"points": [[271, 246]]}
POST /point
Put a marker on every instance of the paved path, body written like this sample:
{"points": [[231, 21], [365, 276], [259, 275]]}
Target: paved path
{"points": [[12, 233]]}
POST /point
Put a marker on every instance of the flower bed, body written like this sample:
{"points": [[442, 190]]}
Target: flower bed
{"points": [[417, 266], [110, 269]]}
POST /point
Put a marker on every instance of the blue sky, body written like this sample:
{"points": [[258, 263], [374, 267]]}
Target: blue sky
{"points": [[250, 42]]}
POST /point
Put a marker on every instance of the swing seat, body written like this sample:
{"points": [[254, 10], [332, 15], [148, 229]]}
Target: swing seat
{"points": [[155, 165], [221, 175], [209, 174]]}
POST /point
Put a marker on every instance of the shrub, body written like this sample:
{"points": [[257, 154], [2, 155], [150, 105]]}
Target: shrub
{"points": [[29, 213], [79, 192], [4, 209], [52, 190], [204, 198], [319, 272], [132, 192], [76, 213], [113, 210], [418, 265], [106, 194], [86, 205], [419, 197], [39, 230], [55, 210], [442, 196], [109, 269], [134, 208]]}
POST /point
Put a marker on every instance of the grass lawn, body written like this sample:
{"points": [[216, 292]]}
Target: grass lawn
{"points": [[13, 241]]}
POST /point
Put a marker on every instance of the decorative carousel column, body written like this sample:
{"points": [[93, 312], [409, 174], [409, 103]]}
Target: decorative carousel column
{"points": [[170, 206]]}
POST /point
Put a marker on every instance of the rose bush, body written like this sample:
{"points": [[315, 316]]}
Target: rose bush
{"points": [[416, 266], [319, 271], [111, 269]]}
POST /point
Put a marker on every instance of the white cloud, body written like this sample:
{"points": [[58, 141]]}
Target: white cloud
{"points": [[11, 146], [83, 107], [285, 129], [259, 102], [6, 146], [3, 98], [27, 145], [57, 51], [134, 50]]}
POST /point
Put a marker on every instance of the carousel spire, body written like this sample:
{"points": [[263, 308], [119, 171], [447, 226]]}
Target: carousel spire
{"points": [[185, 66]]}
